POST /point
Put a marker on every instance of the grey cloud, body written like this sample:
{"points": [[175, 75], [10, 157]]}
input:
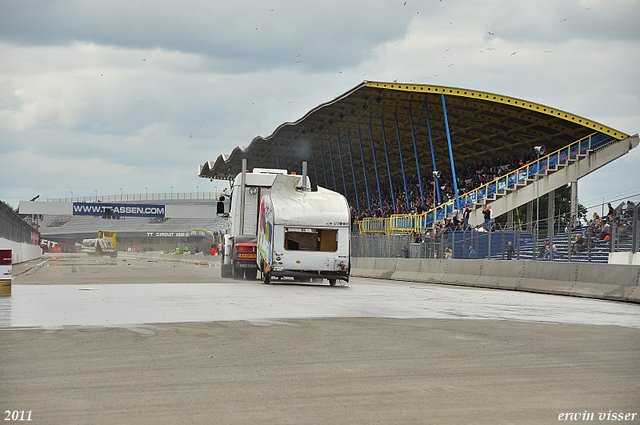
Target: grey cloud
{"points": [[238, 34]]}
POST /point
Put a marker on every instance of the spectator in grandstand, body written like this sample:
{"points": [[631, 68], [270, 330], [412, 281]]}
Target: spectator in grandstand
{"points": [[578, 244], [611, 213], [627, 210], [472, 252], [575, 223], [465, 218], [605, 233], [447, 253], [488, 217], [510, 251]]}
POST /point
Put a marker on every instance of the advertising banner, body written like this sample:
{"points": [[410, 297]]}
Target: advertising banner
{"points": [[122, 210]]}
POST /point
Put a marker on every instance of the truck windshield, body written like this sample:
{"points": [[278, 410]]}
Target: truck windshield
{"points": [[311, 239]]}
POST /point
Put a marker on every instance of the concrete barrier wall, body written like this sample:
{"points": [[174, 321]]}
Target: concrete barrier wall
{"points": [[21, 252], [603, 281]]}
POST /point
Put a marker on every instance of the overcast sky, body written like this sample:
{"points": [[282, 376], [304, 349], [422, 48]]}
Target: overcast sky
{"points": [[110, 95]]}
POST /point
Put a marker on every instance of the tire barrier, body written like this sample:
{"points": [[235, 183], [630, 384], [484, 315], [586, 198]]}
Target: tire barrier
{"points": [[591, 280]]}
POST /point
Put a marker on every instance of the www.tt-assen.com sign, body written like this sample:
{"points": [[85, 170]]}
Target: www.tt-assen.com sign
{"points": [[127, 210]]}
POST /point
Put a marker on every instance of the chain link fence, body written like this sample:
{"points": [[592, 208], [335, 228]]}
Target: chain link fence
{"points": [[554, 240]]}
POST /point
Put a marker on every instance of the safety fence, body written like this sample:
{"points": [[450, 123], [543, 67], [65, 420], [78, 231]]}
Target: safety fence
{"points": [[14, 229], [555, 241], [406, 223]]}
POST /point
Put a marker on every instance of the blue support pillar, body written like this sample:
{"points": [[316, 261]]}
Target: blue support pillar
{"points": [[344, 180], [333, 172], [364, 171], [375, 166], [433, 155], [453, 167], [404, 178], [415, 150], [353, 171], [326, 182], [386, 155], [279, 165]]}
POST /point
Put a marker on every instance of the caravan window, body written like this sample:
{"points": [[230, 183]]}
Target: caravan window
{"points": [[296, 239]]}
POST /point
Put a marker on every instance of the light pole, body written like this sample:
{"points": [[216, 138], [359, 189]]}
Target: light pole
{"points": [[539, 150], [71, 195], [96, 190], [146, 195], [197, 192], [171, 192], [121, 194]]}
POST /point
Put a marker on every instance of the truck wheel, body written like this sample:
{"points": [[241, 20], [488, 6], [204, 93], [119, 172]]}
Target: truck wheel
{"points": [[238, 273], [250, 274], [267, 278], [332, 282]]}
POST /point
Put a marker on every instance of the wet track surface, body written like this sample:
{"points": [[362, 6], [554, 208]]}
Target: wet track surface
{"points": [[129, 303], [147, 341]]}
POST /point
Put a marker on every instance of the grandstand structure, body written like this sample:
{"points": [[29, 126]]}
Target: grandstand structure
{"points": [[381, 133], [184, 222]]}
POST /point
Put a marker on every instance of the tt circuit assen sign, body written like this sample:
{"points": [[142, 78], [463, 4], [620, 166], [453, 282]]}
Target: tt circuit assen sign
{"points": [[124, 210]]}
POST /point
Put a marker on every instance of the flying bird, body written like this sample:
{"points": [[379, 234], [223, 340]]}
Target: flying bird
{"points": [[547, 51], [564, 19], [490, 33], [405, 3], [513, 53]]}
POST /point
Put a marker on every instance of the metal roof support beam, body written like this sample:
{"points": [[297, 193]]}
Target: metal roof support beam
{"points": [[326, 183], [344, 180], [433, 155], [333, 171], [315, 168], [364, 171], [415, 150], [279, 165], [386, 155], [404, 178], [453, 167], [375, 167], [353, 173]]}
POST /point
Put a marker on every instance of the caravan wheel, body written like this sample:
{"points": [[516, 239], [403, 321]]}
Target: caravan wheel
{"points": [[332, 282], [267, 278]]}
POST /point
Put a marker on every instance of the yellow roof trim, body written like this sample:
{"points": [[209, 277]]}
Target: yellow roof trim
{"points": [[506, 100]]}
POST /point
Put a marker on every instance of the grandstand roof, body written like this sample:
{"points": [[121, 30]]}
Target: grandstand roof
{"points": [[482, 126]]}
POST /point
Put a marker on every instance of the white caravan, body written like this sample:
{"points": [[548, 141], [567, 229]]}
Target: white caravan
{"points": [[303, 234]]}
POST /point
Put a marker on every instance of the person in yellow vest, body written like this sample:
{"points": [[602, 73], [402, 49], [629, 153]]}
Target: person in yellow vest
{"points": [[177, 250], [185, 249]]}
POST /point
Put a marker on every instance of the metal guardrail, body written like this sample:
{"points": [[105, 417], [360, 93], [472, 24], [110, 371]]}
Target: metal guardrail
{"points": [[179, 196]]}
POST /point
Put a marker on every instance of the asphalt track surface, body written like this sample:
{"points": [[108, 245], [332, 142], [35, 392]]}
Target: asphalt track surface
{"points": [[137, 341]]}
